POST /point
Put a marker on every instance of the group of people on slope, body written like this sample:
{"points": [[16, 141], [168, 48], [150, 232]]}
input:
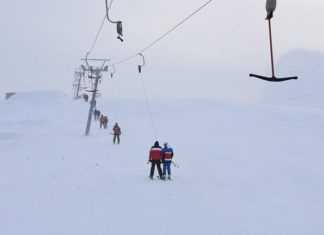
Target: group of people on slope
{"points": [[103, 120], [160, 155]]}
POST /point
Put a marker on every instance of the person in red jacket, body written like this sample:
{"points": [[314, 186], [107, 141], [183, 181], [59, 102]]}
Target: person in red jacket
{"points": [[117, 133], [102, 120], [155, 159]]}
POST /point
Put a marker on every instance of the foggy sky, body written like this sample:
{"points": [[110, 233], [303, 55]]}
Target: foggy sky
{"points": [[210, 55]]}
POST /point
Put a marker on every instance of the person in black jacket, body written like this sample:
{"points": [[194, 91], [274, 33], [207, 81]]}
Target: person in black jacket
{"points": [[155, 157]]}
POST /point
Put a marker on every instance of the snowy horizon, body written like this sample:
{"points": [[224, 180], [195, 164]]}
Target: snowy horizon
{"points": [[210, 56]]}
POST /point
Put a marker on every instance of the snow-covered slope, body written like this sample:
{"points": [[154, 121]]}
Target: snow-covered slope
{"points": [[244, 169]]}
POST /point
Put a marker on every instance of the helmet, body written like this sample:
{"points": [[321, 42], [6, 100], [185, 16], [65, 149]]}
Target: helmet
{"points": [[165, 144]]}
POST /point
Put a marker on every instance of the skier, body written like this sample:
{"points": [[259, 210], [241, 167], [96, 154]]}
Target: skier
{"points": [[167, 155], [95, 114], [85, 97], [117, 133], [155, 159], [102, 120], [105, 122]]}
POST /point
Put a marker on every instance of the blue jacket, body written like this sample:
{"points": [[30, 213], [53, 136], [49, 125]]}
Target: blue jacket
{"points": [[167, 154]]}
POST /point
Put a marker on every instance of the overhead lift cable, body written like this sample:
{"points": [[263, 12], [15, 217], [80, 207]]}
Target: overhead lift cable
{"points": [[148, 107], [119, 27], [143, 60], [162, 36], [146, 96], [97, 36], [113, 92], [119, 23]]}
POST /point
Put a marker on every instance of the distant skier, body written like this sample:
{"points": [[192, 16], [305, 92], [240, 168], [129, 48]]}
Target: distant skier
{"points": [[95, 114], [94, 103], [85, 97], [98, 114], [102, 120], [155, 157], [117, 133], [105, 122], [167, 155]]}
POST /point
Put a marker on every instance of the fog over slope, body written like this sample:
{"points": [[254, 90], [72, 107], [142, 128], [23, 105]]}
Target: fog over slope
{"points": [[308, 89]]}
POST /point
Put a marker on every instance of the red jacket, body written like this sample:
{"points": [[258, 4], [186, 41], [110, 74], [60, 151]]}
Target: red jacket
{"points": [[155, 153], [117, 130]]}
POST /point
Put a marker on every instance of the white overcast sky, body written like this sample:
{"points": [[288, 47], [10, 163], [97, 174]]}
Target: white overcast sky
{"points": [[42, 42]]}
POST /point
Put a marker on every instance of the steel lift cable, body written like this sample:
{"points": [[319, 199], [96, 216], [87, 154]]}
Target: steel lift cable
{"points": [[118, 23], [97, 35], [163, 35], [113, 91], [148, 106]]}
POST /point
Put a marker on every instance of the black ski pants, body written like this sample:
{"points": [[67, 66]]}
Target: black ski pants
{"points": [[116, 136], [158, 165]]}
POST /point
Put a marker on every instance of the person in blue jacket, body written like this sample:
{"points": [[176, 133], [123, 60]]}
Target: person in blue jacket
{"points": [[167, 155]]}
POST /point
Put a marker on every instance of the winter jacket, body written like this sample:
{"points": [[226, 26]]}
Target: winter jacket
{"points": [[167, 154], [155, 152], [102, 119], [117, 130]]}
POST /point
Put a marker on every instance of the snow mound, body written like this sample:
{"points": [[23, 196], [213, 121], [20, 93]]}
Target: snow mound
{"points": [[39, 112], [308, 89], [37, 97]]}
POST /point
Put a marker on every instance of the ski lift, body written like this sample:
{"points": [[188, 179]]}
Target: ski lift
{"points": [[140, 66], [270, 8], [112, 74], [86, 60], [119, 23]]}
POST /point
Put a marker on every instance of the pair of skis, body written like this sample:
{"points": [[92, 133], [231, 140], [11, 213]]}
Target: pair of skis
{"points": [[173, 163]]}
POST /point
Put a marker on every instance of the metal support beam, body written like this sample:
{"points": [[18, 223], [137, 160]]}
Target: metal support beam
{"points": [[93, 101], [96, 71]]}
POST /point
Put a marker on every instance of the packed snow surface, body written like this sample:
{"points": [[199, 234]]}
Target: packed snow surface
{"points": [[244, 169]]}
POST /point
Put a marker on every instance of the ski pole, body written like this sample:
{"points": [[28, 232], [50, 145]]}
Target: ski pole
{"points": [[174, 164]]}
